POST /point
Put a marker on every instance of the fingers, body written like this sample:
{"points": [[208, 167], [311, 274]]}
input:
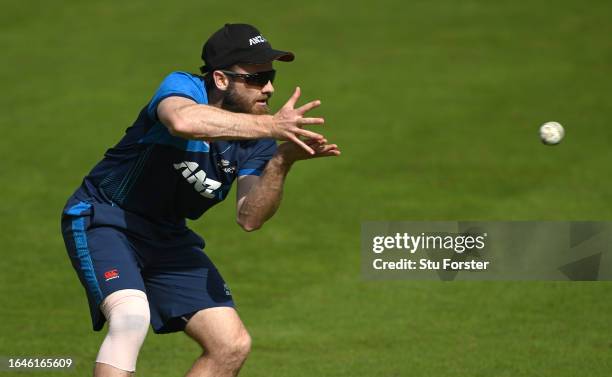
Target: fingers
{"points": [[299, 142], [327, 150], [307, 121], [308, 149], [322, 150], [331, 153], [307, 107], [294, 98], [308, 134], [315, 142]]}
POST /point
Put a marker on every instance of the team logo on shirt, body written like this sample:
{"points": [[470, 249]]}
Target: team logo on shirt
{"points": [[197, 177], [226, 166]]}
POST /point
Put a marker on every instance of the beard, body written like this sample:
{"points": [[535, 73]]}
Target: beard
{"points": [[233, 101]]}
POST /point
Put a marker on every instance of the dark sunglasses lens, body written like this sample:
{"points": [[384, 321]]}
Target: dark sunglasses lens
{"points": [[262, 78]]}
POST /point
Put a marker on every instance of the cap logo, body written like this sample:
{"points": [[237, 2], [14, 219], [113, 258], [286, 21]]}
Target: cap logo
{"points": [[256, 40]]}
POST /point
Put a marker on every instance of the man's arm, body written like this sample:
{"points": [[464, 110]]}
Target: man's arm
{"points": [[187, 119], [258, 198]]}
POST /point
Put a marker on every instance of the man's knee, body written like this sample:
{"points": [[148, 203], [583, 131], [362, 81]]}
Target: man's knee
{"points": [[233, 349], [221, 334], [127, 312], [242, 345]]}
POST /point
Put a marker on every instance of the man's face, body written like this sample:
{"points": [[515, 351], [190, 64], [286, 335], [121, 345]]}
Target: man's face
{"points": [[247, 98]]}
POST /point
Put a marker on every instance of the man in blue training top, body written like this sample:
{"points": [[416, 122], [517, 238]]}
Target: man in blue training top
{"points": [[124, 227]]}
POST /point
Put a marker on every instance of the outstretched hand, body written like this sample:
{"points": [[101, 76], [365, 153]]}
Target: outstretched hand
{"points": [[291, 152], [288, 123]]}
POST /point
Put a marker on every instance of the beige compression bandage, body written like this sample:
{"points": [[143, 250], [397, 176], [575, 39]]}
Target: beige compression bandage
{"points": [[127, 313]]}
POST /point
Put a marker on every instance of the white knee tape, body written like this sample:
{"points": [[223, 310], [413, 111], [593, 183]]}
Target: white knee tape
{"points": [[127, 313]]}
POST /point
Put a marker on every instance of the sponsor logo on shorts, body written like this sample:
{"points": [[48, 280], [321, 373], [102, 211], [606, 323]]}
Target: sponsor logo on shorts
{"points": [[111, 274], [228, 292]]}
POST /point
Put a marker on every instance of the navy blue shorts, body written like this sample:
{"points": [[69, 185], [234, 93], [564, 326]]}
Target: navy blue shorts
{"points": [[111, 249]]}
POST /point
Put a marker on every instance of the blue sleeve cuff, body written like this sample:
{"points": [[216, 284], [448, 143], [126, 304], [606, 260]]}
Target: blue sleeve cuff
{"points": [[242, 172]]}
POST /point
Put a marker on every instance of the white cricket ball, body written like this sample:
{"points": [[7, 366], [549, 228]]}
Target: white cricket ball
{"points": [[551, 133]]}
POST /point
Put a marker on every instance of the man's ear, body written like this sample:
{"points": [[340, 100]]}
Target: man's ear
{"points": [[220, 79]]}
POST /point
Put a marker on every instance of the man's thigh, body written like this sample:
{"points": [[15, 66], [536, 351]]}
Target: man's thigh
{"points": [[104, 261]]}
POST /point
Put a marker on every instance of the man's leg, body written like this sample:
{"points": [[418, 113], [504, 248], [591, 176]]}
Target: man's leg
{"points": [[107, 266], [127, 313], [224, 339]]}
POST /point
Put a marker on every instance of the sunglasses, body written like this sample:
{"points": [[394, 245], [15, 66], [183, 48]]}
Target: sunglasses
{"points": [[258, 78]]}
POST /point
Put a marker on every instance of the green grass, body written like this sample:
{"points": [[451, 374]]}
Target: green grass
{"points": [[435, 105]]}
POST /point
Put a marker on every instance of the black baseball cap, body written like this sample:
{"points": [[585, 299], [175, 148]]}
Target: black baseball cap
{"points": [[239, 43]]}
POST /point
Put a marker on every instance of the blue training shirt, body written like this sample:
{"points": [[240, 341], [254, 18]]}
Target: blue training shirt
{"points": [[164, 178]]}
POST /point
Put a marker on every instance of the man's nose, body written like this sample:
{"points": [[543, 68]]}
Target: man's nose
{"points": [[268, 88]]}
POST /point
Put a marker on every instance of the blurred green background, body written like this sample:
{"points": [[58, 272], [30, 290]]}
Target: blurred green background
{"points": [[436, 106]]}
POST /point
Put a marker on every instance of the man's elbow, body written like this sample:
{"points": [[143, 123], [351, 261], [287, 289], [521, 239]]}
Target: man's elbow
{"points": [[176, 122], [249, 225], [178, 127]]}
